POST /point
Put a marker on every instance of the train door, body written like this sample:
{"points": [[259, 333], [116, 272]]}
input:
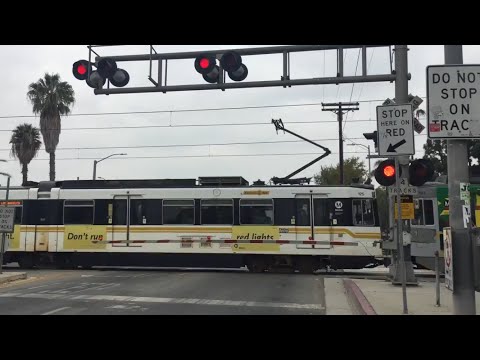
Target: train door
{"points": [[43, 214], [312, 221], [119, 213]]}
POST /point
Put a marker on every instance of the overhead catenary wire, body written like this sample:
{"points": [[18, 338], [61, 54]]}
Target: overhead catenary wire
{"points": [[193, 145], [191, 156], [187, 110], [192, 125]]}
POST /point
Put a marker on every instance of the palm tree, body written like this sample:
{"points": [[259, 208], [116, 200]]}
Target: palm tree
{"points": [[25, 145], [51, 98]]}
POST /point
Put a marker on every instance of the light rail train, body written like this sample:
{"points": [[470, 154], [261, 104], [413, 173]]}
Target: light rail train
{"points": [[220, 222]]}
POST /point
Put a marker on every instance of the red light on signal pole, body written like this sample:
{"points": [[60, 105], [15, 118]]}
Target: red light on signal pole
{"points": [[389, 171], [204, 63], [82, 69], [385, 173]]}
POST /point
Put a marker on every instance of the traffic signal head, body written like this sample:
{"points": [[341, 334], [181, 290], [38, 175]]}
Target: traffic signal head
{"points": [[232, 63], [420, 171], [106, 69], [385, 173], [372, 136], [207, 66], [95, 80], [80, 69], [120, 78]]}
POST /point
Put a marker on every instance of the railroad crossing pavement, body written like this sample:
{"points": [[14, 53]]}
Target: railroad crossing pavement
{"points": [[9, 276], [63, 292]]}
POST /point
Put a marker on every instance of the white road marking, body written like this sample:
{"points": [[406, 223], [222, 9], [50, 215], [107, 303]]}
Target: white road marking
{"points": [[144, 299], [56, 310]]}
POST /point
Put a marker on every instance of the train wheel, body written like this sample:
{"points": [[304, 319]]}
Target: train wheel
{"points": [[64, 262], [305, 265], [256, 264], [26, 262]]}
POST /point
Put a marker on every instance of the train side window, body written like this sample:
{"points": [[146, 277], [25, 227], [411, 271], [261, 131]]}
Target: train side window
{"points": [[320, 212], [119, 212], [363, 212], [18, 215], [216, 212], [145, 212], [303, 212], [178, 212], [78, 212], [256, 212]]}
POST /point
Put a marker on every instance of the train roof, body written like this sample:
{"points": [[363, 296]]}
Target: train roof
{"points": [[202, 182]]}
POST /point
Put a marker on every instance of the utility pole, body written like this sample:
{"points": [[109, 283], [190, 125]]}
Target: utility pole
{"points": [[402, 266], [340, 109], [457, 162]]}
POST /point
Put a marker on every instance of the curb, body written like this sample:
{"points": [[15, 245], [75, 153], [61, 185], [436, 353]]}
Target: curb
{"points": [[17, 276], [360, 302]]}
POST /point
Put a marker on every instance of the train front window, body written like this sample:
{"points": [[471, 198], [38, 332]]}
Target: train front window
{"points": [[256, 212], [363, 212], [78, 212]]}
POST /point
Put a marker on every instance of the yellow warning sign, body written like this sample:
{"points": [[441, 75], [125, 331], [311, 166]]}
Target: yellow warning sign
{"points": [[408, 209], [84, 237], [255, 233]]}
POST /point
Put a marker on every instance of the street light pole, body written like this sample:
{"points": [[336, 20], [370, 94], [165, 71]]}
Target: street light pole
{"points": [[95, 162], [95, 169]]}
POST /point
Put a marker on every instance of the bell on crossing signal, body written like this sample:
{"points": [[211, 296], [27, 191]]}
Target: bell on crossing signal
{"points": [[420, 171], [385, 173]]}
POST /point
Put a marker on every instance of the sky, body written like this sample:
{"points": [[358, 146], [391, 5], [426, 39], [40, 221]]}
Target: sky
{"points": [[155, 141]]}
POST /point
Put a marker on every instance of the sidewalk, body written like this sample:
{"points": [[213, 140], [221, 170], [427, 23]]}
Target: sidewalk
{"points": [[383, 298], [12, 276]]}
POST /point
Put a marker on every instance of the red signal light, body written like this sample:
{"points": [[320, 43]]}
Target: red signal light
{"points": [[80, 69], [204, 63], [385, 173], [389, 171]]}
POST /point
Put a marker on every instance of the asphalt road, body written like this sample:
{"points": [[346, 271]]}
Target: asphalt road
{"points": [[149, 292]]}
